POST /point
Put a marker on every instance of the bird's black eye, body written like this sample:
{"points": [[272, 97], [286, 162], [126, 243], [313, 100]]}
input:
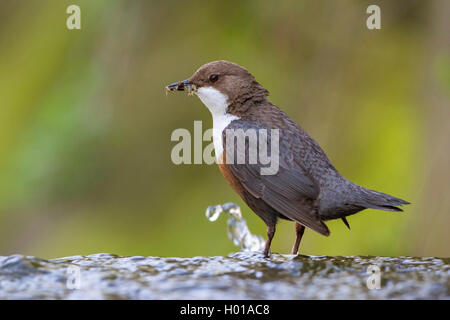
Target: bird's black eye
{"points": [[213, 78]]}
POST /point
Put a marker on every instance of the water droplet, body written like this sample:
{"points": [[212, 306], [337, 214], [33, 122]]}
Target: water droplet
{"points": [[213, 212]]}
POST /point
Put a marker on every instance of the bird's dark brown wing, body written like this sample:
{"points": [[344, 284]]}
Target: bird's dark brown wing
{"points": [[291, 191]]}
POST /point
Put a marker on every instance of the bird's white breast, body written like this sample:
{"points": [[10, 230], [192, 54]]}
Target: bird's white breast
{"points": [[217, 103]]}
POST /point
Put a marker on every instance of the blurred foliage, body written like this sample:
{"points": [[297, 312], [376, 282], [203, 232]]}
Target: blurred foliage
{"points": [[85, 126]]}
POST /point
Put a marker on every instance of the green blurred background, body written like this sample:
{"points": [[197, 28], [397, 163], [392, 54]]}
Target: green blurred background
{"points": [[85, 125]]}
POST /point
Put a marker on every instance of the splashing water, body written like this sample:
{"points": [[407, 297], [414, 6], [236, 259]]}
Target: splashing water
{"points": [[238, 276], [237, 229]]}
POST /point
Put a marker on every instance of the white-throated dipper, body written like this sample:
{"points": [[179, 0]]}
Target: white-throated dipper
{"points": [[306, 188]]}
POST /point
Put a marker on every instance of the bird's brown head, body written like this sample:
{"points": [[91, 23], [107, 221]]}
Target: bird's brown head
{"points": [[222, 84]]}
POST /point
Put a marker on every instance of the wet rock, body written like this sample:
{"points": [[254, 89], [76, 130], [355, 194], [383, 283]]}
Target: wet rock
{"points": [[240, 275]]}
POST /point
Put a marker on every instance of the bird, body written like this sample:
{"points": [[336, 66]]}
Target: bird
{"points": [[306, 188]]}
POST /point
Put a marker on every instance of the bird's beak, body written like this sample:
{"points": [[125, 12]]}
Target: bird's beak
{"points": [[184, 85]]}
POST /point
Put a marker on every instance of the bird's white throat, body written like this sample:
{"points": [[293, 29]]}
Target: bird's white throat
{"points": [[217, 103]]}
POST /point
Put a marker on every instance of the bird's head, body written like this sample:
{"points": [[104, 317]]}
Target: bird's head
{"points": [[221, 84]]}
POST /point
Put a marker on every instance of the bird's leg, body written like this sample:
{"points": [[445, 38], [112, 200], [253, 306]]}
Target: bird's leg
{"points": [[299, 229], [270, 234]]}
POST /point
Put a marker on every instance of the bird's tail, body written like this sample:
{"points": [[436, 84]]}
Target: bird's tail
{"points": [[377, 200]]}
